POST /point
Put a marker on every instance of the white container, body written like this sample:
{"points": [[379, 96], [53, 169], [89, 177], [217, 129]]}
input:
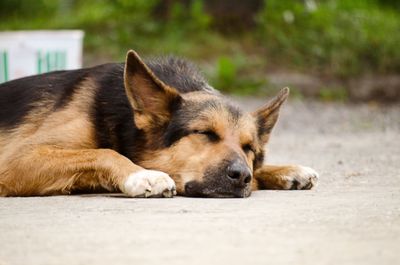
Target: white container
{"points": [[24, 53]]}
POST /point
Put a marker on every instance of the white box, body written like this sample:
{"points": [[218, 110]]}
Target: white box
{"points": [[24, 53]]}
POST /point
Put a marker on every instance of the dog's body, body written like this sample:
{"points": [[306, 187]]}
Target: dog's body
{"points": [[148, 130]]}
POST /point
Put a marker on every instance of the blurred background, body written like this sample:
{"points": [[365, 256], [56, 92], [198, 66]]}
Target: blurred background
{"points": [[330, 50]]}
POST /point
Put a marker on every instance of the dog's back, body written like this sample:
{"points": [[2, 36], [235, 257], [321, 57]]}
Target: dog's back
{"points": [[31, 100], [35, 108], [78, 109]]}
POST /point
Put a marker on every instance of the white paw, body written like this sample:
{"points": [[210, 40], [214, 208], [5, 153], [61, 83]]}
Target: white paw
{"points": [[149, 183], [302, 178]]}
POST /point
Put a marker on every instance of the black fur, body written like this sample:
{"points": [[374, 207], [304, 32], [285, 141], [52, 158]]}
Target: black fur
{"points": [[16, 99], [180, 74], [111, 112], [19, 96], [177, 127]]}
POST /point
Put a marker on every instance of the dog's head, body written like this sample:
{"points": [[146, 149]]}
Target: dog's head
{"points": [[205, 143]]}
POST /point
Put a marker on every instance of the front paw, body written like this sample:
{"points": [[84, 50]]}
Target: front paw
{"points": [[300, 178], [149, 183]]}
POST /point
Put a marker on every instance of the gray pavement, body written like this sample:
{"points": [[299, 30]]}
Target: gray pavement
{"points": [[352, 217]]}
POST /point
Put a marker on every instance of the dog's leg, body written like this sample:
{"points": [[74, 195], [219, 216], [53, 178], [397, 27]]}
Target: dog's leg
{"points": [[47, 170], [291, 177]]}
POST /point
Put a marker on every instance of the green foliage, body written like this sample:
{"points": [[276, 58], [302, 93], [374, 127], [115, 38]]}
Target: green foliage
{"points": [[340, 37], [334, 38], [184, 19], [26, 8], [333, 94], [230, 76], [226, 73]]}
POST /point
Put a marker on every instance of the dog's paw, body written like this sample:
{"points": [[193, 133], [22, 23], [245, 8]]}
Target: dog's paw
{"points": [[301, 178], [149, 183]]}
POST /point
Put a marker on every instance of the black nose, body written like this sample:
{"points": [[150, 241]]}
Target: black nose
{"points": [[239, 172]]}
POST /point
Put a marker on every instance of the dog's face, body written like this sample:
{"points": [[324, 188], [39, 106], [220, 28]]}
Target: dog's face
{"points": [[205, 143], [210, 147]]}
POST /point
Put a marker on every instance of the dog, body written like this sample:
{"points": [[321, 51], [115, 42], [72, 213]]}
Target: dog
{"points": [[146, 129]]}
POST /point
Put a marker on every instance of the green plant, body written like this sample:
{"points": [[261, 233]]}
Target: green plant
{"points": [[226, 72], [230, 75], [339, 37], [333, 94]]}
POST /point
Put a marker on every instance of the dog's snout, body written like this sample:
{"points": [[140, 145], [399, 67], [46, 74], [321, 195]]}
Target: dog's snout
{"points": [[239, 172]]}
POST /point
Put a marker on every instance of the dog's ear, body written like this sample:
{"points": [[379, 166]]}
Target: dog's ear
{"points": [[267, 115], [151, 99]]}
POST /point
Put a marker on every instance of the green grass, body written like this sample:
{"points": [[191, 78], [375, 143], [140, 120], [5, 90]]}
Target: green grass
{"points": [[333, 94], [338, 39], [341, 38]]}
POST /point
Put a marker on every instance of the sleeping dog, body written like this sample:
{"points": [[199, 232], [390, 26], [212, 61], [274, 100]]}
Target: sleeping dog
{"points": [[146, 129]]}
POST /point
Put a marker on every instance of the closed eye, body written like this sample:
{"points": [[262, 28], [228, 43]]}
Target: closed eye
{"points": [[211, 135], [247, 148]]}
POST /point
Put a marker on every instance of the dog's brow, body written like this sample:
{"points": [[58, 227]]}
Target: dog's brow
{"points": [[235, 113]]}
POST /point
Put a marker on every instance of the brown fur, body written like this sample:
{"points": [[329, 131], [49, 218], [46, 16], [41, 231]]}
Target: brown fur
{"points": [[278, 178], [57, 155], [55, 152], [202, 154]]}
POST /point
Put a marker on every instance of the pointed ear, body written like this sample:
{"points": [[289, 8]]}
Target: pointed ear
{"points": [[150, 98], [267, 115]]}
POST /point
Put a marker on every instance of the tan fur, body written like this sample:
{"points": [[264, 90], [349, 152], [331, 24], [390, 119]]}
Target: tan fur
{"points": [[273, 177], [188, 159], [55, 152], [148, 95], [55, 155]]}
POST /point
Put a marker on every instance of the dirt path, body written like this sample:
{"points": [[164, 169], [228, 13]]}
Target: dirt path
{"points": [[353, 217]]}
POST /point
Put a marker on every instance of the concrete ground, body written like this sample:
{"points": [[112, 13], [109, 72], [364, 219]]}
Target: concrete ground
{"points": [[353, 217]]}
